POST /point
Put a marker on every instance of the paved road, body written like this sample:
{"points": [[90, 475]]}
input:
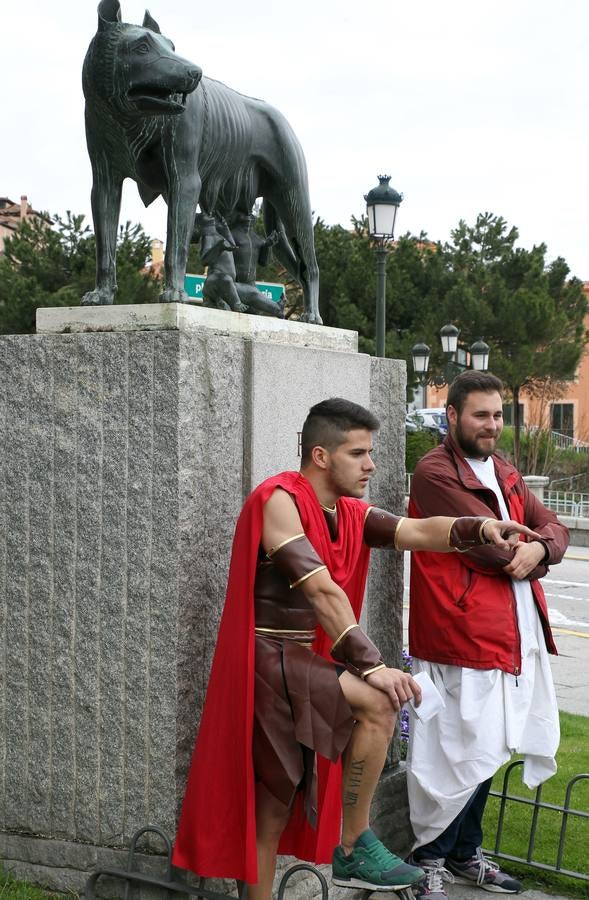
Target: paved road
{"points": [[464, 892], [567, 593]]}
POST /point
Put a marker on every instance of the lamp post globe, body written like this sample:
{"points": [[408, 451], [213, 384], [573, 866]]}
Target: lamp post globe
{"points": [[382, 203], [420, 354], [479, 355], [449, 337]]}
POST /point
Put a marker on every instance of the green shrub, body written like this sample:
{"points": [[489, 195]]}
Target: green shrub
{"points": [[417, 445], [539, 456]]}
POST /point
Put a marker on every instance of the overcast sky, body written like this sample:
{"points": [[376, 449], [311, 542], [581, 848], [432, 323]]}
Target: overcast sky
{"points": [[469, 106]]}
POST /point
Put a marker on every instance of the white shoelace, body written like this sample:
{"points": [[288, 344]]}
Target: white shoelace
{"points": [[485, 865], [437, 875]]}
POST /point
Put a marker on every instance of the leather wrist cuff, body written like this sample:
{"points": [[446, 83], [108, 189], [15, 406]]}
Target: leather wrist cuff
{"points": [[356, 651], [297, 559], [467, 532]]}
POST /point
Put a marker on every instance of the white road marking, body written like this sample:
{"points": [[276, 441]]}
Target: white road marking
{"points": [[565, 583], [558, 618]]}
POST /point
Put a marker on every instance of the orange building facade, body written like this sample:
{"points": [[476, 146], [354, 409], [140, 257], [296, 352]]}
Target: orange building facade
{"points": [[566, 414], [12, 214]]}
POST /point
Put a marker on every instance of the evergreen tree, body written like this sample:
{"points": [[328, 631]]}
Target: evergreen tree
{"points": [[55, 266], [530, 313]]}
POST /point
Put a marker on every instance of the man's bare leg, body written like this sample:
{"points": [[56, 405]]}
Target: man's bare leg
{"points": [[271, 819], [365, 755]]}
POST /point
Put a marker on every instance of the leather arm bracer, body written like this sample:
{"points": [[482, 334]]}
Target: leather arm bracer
{"points": [[297, 559], [356, 651], [381, 528], [467, 532]]}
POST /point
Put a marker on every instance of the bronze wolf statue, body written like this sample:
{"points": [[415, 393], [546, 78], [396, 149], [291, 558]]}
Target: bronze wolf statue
{"points": [[152, 117]]}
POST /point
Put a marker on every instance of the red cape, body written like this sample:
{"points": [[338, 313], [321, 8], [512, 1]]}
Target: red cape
{"points": [[217, 830]]}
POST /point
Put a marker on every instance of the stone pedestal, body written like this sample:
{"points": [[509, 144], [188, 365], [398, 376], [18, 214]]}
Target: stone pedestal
{"points": [[130, 438]]}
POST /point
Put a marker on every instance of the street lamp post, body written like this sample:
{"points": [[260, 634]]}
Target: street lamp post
{"points": [[382, 203]]}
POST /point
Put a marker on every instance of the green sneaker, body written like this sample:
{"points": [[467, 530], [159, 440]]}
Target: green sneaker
{"points": [[372, 867]]}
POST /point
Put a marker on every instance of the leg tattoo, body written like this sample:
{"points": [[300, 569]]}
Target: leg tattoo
{"points": [[354, 782]]}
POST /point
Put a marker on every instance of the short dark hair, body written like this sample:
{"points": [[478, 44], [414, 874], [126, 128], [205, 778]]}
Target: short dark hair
{"points": [[468, 382], [328, 422]]}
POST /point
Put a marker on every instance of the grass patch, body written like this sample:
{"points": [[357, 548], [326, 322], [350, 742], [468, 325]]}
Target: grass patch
{"points": [[572, 759], [11, 889]]}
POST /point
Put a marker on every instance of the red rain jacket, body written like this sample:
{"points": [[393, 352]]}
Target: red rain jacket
{"points": [[462, 609]]}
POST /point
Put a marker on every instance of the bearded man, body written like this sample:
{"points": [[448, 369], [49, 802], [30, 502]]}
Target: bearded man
{"points": [[478, 625]]}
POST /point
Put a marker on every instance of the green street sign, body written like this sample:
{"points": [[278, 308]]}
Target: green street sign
{"points": [[270, 290], [193, 287]]}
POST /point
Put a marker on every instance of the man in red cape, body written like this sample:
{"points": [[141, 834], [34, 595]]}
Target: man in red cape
{"points": [[279, 713]]}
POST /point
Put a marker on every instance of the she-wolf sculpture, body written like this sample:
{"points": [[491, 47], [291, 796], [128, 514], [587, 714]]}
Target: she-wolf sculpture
{"points": [[152, 117]]}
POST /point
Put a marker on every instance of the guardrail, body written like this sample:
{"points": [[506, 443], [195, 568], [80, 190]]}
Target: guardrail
{"points": [[566, 811], [567, 503], [171, 883], [563, 441]]}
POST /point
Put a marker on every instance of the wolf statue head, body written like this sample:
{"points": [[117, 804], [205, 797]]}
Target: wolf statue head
{"points": [[134, 69]]}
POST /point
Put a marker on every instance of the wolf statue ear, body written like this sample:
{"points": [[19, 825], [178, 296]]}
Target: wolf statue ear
{"points": [[109, 12], [150, 23]]}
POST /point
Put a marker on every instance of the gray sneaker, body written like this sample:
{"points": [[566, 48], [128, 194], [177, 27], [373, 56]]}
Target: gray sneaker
{"points": [[483, 873], [432, 886]]}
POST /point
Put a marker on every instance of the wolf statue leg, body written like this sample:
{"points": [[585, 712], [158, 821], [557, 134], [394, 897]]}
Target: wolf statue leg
{"points": [[182, 198], [106, 204], [297, 254]]}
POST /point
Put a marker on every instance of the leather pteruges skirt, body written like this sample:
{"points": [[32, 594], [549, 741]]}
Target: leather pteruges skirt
{"points": [[299, 711]]}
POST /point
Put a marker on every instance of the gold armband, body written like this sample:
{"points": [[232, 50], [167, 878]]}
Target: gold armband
{"points": [[368, 672], [342, 635], [482, 537]]}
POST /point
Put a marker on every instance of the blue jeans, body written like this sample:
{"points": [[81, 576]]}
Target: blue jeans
{"points": [[462, 836]]}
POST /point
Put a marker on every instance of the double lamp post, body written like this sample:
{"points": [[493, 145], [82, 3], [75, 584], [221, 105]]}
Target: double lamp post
{"points": [[420, 354]]}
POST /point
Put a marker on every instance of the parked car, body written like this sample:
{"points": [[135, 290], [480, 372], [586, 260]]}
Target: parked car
{"points": [[433, 420], [412, 423]]}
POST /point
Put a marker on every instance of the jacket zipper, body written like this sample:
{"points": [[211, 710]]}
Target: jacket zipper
{"points": [[516, 670]]}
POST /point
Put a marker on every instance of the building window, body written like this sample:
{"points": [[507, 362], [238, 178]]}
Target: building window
{"points": [[563, 419], [508, 414]]}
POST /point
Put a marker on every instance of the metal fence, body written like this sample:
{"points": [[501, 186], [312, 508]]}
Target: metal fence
{"points": [[170, 883], [567, 813], [560, 440], [567, 503]]}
